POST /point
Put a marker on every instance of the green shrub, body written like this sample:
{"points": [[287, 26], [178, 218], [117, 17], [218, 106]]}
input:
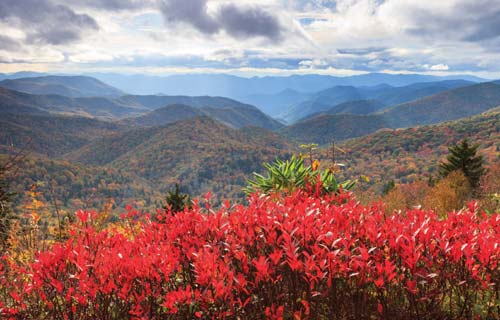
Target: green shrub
{"points": [[291, 175]]}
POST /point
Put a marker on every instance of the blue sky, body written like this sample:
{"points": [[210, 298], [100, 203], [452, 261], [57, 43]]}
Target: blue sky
{"points": [[251, 37]]}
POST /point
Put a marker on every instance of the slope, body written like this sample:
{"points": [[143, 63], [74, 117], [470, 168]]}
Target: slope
{"points": [[361, 107], [323, 129], [165, 115], [200, 153], [448, 105], [77, 186], [407, 155], [51, 135]]}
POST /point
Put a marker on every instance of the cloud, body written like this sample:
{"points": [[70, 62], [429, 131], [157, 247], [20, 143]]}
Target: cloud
{"points": [[239, 22], [439, 67], [45, 22], [192, 12], [485, 18], [249, 22], [7, 43], [460, 20]]}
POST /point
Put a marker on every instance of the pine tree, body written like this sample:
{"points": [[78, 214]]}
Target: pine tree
{"points": [[464, 157], [177, 201]]}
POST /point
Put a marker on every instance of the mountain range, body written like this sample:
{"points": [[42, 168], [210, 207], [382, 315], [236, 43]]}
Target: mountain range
{"points": [[137, 146], [226, 110], [240, 87], [444, 106], [384, 95]]}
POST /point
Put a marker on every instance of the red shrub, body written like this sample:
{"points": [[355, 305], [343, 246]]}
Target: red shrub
{"points": [[299, 257]]}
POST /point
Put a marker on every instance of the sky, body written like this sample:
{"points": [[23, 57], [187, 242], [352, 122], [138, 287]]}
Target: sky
{"points": [[251, 37]]}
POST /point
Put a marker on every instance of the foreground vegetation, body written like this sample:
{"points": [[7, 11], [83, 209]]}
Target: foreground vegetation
{"points": [[300, 255]]}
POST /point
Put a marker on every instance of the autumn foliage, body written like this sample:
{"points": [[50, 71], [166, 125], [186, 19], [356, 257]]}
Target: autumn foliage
{"points": [[298, 257]]}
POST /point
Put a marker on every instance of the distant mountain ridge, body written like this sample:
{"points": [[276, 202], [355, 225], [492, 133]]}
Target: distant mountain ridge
{"points": [[101, 107], [231, 112], [235, 115], [386, 95], [445, 106], [289, 98], [69, 86], [239, 87]]}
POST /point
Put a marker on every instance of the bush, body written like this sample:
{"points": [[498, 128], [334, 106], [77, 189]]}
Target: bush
{"points": [[291, 175], [299, 257]]}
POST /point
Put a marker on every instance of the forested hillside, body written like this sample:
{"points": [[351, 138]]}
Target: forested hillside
{"points": [[201, 154], [69, 186], [407, 155], [126, 163]]}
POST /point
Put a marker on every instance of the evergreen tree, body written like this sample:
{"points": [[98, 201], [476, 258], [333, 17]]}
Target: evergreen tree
{"points": [[464, 157], [6, 215], [177, 201]]}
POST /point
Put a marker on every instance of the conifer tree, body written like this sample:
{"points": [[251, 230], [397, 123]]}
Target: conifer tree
{"points": [[464, 157], [177, 201]]}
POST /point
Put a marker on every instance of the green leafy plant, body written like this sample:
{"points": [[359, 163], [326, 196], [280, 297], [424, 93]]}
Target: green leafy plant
{"points": [[291, 175]]}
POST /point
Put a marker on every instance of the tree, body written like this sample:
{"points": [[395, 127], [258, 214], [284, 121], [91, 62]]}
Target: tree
{"points": [[463, 157], [6, 215], [449, 194], [177, 201]]}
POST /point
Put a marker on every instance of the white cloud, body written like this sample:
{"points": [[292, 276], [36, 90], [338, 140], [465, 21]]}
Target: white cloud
{"points": [[343, 36], [439, 67]]}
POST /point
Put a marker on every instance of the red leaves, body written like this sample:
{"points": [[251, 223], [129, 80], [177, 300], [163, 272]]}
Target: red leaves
{"points": [[271, 259], [411, 285], [262, 267]]}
